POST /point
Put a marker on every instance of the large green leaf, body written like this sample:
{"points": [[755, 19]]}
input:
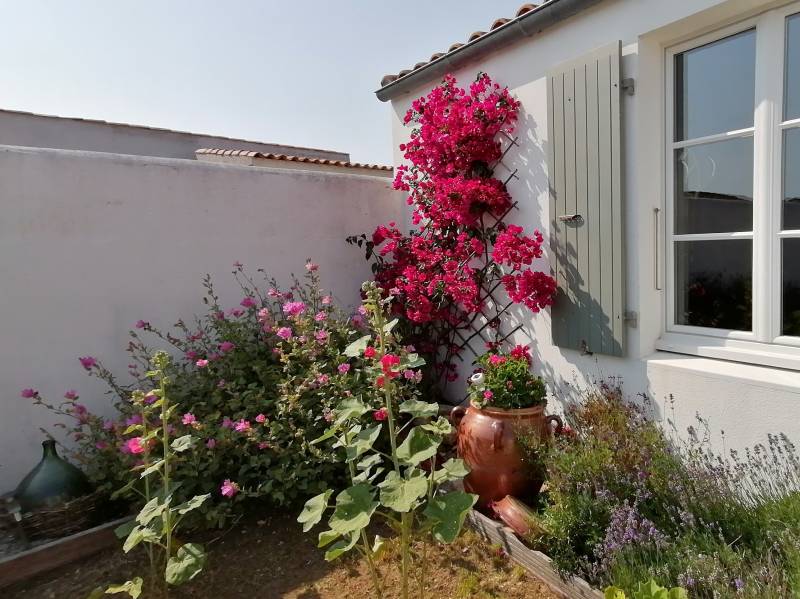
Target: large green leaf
{"points": [[452, 469], [132, 587], [313, 510], [183, 443], [194, 503], [342, 546], [354, 508], [400, 494], [419, 409], [414, 361], [362, 442], [417, 447], [152, 468], [138, 535], [446, 514], [186, 564], [441, 427], [326, 537], [357, 347], [152, 509], [652, 590], [614, 593], [349, 408], [370, 461]]}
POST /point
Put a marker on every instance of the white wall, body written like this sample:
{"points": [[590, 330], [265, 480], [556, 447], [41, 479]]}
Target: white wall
{"points": [[90, 243], [744, 400]]}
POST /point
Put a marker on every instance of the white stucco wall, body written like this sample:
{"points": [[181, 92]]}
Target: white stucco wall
{"points": [[90, 243], [744, 400]]}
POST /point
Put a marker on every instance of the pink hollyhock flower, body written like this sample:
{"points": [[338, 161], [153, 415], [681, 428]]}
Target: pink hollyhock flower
{"points": [[263, 445], [135, 419], [71, 395], [302, 338], [381, 415], [227, 423], [135, 445], [328, 415], [101, 445], [248, 302], [88, 362], [191, 355], [408, 374], [188, 419], [220, 315], [323, 379], [236, 312], [202, 363], [273, 292], [357, 320], [294, 308], [264, 315], [108, 425], [221, 383], [410, 349], [142, 324], [380, 381], [285, 333], [311, 267], [388, 364], [150, 398], [242, 426], [226, 346], [213, 357], [29, 393], [343, 368], [369, 352], [229, 488], [321, 336], [327, 300], [211, 443], [320, 316], [261, 419], [488, 394], [362, 309]]}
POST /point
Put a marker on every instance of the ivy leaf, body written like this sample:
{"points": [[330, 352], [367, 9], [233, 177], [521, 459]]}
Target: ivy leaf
{"points": [[419, 409], [341, 547], [132, 587], [326, 537], [194, 503], [446, 514], [362, 442], [138, 535], [152, 509], [357, 347], [187, 563], [183, 443], [441, 426], [400, 494], [354, 508], [452, 469], [349, 408], [417, 447], [313, 510]]}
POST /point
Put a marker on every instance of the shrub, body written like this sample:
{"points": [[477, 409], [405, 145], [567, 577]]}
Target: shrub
{"points": [[506, 381]]}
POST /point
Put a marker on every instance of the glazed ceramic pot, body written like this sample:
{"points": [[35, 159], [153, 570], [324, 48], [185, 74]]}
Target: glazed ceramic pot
{"points": [[52, 482], [487, 442], [516, 515]]}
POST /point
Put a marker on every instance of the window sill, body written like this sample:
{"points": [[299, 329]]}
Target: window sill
{"points": [[733, 350]]}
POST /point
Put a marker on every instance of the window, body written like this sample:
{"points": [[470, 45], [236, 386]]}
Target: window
{"points": [[733, 185]]}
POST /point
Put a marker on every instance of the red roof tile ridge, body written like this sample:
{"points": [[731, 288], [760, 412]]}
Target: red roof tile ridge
{"points": [[291, 158]]}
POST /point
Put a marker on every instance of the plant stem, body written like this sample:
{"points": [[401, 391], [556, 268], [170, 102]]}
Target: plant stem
{"points": [[147, 496], [373, 571], [165, 471]]}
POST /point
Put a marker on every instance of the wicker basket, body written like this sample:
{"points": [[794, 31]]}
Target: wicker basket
{"points": [[62, 520]]}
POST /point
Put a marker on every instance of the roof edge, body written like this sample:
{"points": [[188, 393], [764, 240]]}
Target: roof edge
{"points": [[526, 25]]}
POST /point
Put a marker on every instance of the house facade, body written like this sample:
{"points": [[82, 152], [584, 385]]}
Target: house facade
{"points": [[658, 147]]}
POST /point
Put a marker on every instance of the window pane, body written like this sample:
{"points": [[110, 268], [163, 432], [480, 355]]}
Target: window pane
{"points": [[791, 179], [715, 87], [714, 284], [714, 187], [791, 286], [791, 87]]}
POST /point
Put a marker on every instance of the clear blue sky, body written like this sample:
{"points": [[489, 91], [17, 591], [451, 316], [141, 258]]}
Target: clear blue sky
{"points": [[294, 72]]}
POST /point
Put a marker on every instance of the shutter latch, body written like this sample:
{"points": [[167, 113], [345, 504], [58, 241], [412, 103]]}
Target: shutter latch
{"points": [[571, 218], [631, 318], [628, 86]]}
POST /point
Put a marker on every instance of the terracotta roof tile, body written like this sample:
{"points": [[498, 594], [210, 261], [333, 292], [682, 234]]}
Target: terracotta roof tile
{"points": [[476, 35], [289, 158]]}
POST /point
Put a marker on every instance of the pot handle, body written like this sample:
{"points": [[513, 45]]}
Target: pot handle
{"points": [[497, 439], [456, 414], [558, 421]]}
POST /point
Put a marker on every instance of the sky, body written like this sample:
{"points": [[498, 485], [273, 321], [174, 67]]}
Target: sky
{"points": [[293, 72]]}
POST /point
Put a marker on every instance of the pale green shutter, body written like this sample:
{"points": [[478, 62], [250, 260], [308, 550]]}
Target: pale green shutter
{"points": [[583, 106]]}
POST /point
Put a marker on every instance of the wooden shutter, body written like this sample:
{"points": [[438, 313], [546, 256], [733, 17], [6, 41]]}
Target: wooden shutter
{"points": [[583, 108]]}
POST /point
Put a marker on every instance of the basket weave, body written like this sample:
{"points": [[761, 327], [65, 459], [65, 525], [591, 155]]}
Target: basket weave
{"points": [[62, 520]]}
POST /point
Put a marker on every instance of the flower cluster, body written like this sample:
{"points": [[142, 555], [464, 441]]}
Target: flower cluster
{"points": [[506, 381]]}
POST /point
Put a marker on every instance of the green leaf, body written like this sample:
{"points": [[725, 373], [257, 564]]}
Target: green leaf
{"points": [[387, 328], [400, 494], [614, 593], [379, 547], [133, 428], [452, 469], [362, 442], [152, 509], [152, 468], [96, 593], [354, 508], [186, 564], [124, 529], [138, 535], [183, 443], [446, 514], [349, 408], [341, 547], [357, 347], [194, 503], [313, 510], [132, 587], [417, 447], [678, 593], [370, 461], [419, 409], [441, 427], [325, 436], [326, 537], [123, 490], [414, 361]]}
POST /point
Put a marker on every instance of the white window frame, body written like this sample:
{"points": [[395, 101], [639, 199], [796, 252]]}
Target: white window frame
{"points": [[764, 344]]}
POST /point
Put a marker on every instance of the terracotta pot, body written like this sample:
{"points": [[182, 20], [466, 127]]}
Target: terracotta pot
{"points": [[487, 442], [516, 515]]}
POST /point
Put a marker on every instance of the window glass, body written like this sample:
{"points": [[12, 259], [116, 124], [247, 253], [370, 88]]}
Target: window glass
{"points": [[715, 87], [791, 287], [714, 187], [791, 179], [713, 283], [791, 85]]}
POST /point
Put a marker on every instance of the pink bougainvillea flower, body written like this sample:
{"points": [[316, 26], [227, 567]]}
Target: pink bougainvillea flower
{"points": [[381, 414], [229, 488], [211, 443], [343, 368], [71, 395], [202, 363], [320, 316], [327, 300], [261, 419], [142, 324], [135, 445], [496, 360], [227, 422], [248, 302], [294, 308], [226, 346], [285, 333], [311, 267], [88, 362], [321, 336], [521, 352], [241, 426], [369, 352], [323, 379], [188, 419]]}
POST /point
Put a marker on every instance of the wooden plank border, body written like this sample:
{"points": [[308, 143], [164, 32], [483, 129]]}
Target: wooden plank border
{"points": [[535, 562], [49, 556]]}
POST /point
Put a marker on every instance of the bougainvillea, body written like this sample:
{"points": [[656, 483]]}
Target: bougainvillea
{"points": [[443, 272]]}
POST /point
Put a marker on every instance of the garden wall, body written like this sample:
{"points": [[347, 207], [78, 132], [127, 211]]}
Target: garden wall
{"points": [[90, 243]]}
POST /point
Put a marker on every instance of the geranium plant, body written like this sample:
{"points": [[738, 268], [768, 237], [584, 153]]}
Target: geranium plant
{"points": [[505, 381], [390, 442]]}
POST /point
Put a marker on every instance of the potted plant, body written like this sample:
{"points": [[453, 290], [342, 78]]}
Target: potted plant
{"points": [[506, 401]]}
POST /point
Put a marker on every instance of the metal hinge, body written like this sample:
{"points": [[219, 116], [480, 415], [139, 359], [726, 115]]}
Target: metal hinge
{"points": [[628, 86], [631, 318]]}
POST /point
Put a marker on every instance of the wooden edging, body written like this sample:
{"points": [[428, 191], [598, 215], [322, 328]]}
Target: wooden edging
{"points": [[57, 553], [535, 562]]}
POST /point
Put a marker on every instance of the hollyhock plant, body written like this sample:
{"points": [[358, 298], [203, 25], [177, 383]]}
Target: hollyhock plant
{"points": [[229, 488], [88, 362]]}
